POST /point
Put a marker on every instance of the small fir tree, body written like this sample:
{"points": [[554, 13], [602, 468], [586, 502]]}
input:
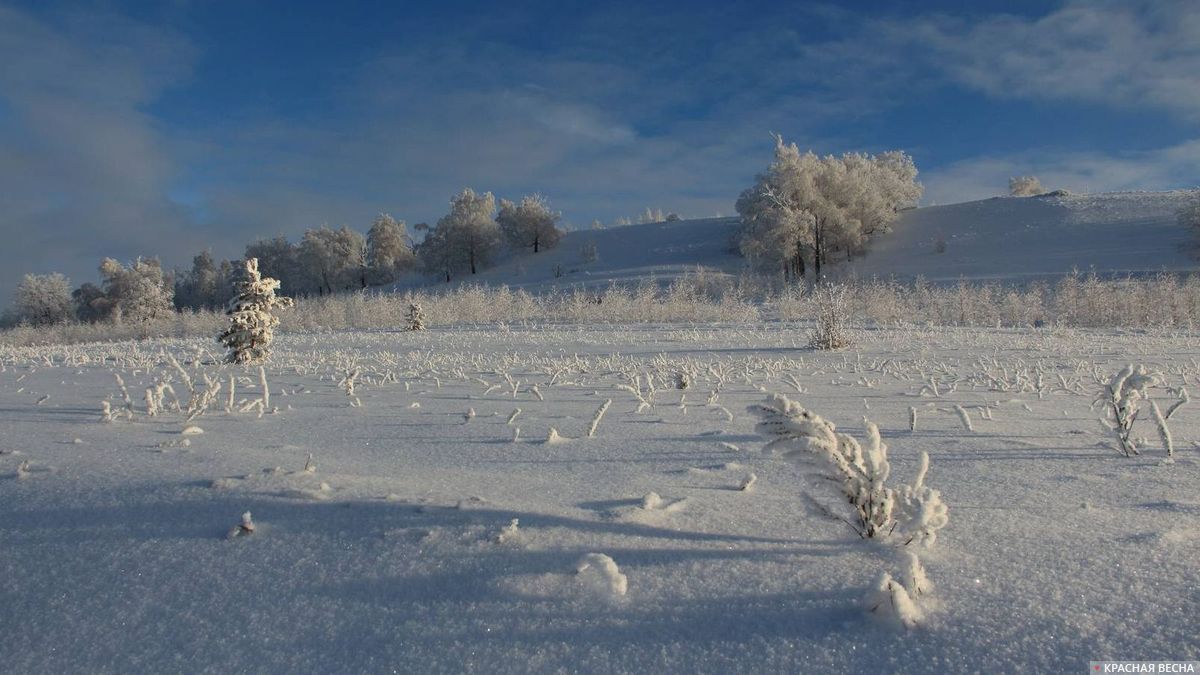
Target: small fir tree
{"points": [[416, 317], [251, 319]]}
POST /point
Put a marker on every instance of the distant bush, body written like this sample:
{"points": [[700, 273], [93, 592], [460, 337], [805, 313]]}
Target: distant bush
{"points": [[1025, 186]]}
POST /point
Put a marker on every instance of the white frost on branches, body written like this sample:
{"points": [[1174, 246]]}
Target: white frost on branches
{"points": [[252, 320], [1122, 398], [874, 509]]}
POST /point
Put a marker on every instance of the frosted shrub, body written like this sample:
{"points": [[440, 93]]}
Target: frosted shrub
{"points": [[920, 509], [1122, 398], [252, 320], [832, 312], [1025, 186], [808, 438], [874, 508]]}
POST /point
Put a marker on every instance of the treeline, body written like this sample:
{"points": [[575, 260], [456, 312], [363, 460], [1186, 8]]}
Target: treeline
{"points": [[323, 262]]}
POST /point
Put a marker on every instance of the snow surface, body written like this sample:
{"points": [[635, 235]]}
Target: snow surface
{"points": [[1021, 238], [391, 554]]}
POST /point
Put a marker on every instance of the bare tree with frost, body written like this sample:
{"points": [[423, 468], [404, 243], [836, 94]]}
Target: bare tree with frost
{"points": [[389, 249], [252, 320], [529, 224]]}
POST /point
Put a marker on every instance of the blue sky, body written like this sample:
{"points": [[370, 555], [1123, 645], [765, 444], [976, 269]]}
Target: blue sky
{"points": [[162, 128]]}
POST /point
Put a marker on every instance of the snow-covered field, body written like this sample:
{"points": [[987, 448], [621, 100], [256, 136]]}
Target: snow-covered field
{"points": [[396, 551]]}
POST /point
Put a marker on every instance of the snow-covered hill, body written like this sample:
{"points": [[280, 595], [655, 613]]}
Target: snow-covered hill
{"points": [[624, 254], [1015, 238], [1003, 238]]}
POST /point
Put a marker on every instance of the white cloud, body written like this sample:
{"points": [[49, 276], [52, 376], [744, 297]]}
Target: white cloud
{"points": [[1142, 53]]}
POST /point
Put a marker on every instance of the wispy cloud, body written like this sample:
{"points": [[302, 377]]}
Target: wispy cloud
{"points": [[1108, 52]]}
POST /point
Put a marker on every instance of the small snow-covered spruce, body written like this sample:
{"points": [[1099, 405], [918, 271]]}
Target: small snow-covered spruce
{"points": [[252, 320], [832, 311], [606, 567], [1121, 398], [597, 417], [416, 317], [23, 470]]}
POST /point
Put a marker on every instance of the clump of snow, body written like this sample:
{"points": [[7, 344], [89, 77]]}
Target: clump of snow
{"points": [[606, 569]]}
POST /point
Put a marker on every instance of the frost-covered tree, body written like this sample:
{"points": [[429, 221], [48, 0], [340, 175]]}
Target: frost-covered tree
{"points": [[206, 286], [436, 254], [252, 320], [333, 260], [465, 238], [805, 207], [389, 249], [416, 316], [1025, 186], [529, 224], [650, 216], [138, 292], [44, 299], [279, 259], [91, 304]]}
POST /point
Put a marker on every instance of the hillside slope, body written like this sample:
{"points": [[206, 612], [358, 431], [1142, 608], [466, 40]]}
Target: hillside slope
{"points": [[1014, 238], [626, 254], [1003, 238]]}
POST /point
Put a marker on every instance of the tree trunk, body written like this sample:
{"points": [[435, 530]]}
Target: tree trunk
{"points": [[535, 244]]}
